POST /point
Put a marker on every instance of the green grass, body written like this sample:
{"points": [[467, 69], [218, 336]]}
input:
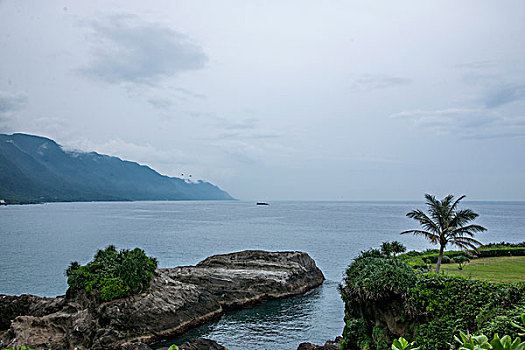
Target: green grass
{"points": [[498, 269]]}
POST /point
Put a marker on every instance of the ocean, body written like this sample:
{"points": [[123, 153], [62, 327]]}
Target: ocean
{"points": [[39, 241]]}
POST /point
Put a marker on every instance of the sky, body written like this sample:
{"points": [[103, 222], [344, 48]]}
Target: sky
{"points": [[279, 100]]}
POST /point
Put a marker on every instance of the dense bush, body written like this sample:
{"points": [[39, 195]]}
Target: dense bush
{"points": [[111, 274], [432, 307], [371, 278], [489, 250]]}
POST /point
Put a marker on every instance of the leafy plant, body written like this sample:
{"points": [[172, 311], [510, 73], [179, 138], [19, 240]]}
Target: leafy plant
{"points": [[402, 344], [522, 327], [111, 274], [397, 248], [471, 342], [506, 343], [461, 260]]}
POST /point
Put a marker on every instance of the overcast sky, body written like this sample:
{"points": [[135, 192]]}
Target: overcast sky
{"points": [[306, 100]]}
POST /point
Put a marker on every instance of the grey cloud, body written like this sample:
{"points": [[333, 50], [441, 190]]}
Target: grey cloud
{"points": [[190, 93], [265, 134], [482, 64], [130, 50], [245, 129], [466, 123], [368, 82], [160, 103], [10, 103], [249, 123], [505, 94]]}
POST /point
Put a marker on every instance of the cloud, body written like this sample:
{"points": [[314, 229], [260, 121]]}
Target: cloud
{"points": [[127, 49], [369, 82], [475, 65], [247, 128], [10, 104], [504, 94], [160, 103], [466, 123]]}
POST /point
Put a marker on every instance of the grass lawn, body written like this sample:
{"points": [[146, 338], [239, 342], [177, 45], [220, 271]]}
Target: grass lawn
{"points": [[507, 269]]}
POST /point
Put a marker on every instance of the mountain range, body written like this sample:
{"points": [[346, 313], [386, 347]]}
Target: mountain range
{"points": [[36, 169]]}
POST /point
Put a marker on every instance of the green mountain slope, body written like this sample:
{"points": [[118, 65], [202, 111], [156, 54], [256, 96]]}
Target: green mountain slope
{"points": [[37, 169]]}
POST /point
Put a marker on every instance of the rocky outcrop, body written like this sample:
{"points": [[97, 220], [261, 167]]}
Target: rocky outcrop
{"points": [[193, 344], [178, 299], [329, 345]]}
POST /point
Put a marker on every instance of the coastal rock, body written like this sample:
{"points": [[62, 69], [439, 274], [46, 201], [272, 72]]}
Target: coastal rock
{"points": [[178, 299], [329, 345]]}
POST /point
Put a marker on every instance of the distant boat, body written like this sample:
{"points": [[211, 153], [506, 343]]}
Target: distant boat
{"points": [[262, 203], [2, 202]]}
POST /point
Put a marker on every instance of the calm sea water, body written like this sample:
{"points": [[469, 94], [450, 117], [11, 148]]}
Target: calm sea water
{"points": [[39, 241]]}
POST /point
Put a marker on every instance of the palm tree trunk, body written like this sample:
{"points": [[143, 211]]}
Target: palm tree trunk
{"points": [[440, 257]]}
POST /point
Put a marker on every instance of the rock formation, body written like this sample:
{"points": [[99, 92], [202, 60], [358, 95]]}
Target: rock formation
{"points": [[178, 299]]}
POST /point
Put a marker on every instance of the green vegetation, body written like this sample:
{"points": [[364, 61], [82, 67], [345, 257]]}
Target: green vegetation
{"points": [[472, 342], [446, 225], [392, 248], [498, 269], [426, 308], [403, 344], [461, 260], [23, 347], [113, 274]]}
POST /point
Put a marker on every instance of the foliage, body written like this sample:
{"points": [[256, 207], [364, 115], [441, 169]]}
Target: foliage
{"points": [[403, 344], [479, 342], [397, 248], [461, 260], [386, 249], [434, 307], [23, 347], [393, 248], [520, 327], [417, 259], [472, 342], [446, 224], [111, 274], [370, 278]]}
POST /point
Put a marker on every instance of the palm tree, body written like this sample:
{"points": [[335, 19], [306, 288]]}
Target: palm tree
{"points": [[397, 247], [446, 224]]}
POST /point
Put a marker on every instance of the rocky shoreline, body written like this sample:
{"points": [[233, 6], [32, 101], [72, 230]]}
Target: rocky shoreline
{"points": [[178, 299]]}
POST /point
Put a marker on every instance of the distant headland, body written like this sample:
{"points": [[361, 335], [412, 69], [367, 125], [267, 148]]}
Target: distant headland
{"points": [[36, 169]]}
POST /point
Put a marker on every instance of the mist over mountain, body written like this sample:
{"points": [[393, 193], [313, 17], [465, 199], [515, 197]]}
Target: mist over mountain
{"points": [[37, 169]]}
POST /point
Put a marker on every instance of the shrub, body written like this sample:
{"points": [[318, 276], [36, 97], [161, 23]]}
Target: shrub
{"points": [[432, 308], [461, 260], [371, 278], [111, 274]]}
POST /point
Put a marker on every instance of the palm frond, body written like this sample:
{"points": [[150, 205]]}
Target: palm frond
{"points": [[434, 238], [455, 204], [424, 220], [461, 217], [469, 230]]}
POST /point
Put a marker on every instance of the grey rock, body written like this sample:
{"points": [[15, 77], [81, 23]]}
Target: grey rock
{"points": [[178, 299], [329, 345]]}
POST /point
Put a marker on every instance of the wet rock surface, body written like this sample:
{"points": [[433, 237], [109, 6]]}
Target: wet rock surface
{"points": [[178, 299]]}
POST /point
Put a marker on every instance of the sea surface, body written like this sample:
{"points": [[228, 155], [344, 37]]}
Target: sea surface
{"points": [[37, 243]]}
